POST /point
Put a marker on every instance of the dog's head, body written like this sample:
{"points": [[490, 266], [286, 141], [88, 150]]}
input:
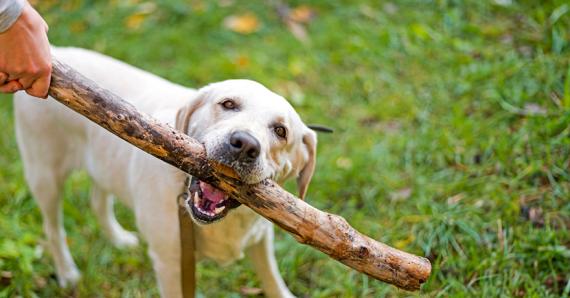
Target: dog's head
{"points": [[254, 131]]}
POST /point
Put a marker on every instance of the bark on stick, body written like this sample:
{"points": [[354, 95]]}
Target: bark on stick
{"points": [[326, 232]]}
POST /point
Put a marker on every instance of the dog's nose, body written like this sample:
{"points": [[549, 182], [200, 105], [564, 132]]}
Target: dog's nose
{"points": [[244, 146]]}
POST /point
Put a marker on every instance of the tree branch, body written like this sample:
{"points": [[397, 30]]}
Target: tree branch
{"points": [[326, 232]]}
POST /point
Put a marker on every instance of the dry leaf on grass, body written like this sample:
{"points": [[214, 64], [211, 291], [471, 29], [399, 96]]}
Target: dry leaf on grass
{"points": [[533, 214], [302, 14], [242, 61], [298, 31], [534, 109], [247, 291], [403, 244], [244, 24], [401, 194], [455, 199], [135, 20], [5, 278], [296, 19], [40, 282], [78, 26]]}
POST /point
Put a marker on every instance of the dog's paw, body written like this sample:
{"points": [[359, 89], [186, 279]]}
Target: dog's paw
{"points": [[69, 278], [125, 239]]}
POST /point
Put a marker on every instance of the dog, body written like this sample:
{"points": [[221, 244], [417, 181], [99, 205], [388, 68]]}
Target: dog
{"points": [[240, 122]]}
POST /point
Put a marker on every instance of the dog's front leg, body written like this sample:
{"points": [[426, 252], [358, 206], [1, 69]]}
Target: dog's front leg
{"points": [[167, 275], [158, 222], [262, 255], [156, 186], [160, 228]]}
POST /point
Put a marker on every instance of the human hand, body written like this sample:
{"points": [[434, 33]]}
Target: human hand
{"points": [[25, 58]]}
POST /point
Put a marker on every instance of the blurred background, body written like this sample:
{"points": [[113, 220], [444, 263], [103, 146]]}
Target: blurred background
{"points": [[451, 123]]}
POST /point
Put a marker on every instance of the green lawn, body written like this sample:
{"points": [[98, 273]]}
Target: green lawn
{"points": [[452, 139]]}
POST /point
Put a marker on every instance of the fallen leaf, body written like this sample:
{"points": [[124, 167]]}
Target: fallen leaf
{"points": [[298, 31], [5, 277], [242, 61], [199, 6], [479, 203], [401, 194], [402, 244], [40, 282], [296, 19], [368, 11], [455, 199], [302, 14], [247, 291], [534, 109], [69, 6], [244, 24], [78, 26], [534, 215], [135, 20]]}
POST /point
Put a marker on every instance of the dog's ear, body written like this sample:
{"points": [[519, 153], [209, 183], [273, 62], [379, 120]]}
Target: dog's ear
{"points": [[305, 175], [184, 113], [320, 128]]}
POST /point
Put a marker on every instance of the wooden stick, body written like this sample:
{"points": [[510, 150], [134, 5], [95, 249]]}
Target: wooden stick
{"points": [[326, 232]]}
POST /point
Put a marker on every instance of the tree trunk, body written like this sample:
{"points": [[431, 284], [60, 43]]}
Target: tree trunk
{"points": [[328, 233]]}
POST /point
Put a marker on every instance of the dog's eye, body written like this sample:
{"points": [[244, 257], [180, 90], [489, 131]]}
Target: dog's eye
{"points": [[229, 104], [280, 131]]}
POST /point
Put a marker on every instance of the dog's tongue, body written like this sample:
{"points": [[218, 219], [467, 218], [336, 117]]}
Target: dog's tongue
{"points": [[211, 193]]}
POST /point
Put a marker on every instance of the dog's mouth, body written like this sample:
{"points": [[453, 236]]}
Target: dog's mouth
{"points": [[208, 204]]}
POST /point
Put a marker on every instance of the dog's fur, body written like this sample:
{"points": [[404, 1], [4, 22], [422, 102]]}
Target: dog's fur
{"points": [[54, 141]]}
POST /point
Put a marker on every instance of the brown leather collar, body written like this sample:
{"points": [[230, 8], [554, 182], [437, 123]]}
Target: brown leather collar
{"points": [[187, 247]]}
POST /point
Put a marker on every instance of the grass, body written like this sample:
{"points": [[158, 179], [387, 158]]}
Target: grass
{"points": [[451, 117]]}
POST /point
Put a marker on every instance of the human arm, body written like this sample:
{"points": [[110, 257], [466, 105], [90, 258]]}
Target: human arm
{"points": [[25, 58], [10, 10]]}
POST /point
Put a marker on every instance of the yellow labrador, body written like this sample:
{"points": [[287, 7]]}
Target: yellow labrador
{"points": [[241, 123]]}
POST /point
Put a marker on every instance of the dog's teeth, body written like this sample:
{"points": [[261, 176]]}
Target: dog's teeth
{"points": [[219, 210], [196, 199]]}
